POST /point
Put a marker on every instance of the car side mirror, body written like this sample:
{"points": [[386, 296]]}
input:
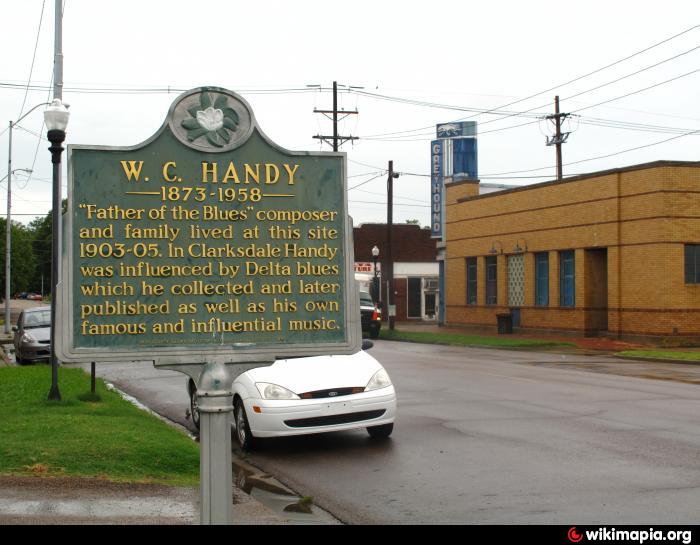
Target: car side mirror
{"points": [[367, 344]]}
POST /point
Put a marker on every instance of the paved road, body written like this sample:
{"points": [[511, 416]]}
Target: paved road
{"points": [[498, 437]]}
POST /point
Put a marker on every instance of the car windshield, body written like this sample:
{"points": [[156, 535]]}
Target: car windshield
{"points": [[38, 318], [365, 299]]}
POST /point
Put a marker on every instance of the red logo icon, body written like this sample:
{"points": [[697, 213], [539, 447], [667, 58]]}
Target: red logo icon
{"points": [[574, 536]]}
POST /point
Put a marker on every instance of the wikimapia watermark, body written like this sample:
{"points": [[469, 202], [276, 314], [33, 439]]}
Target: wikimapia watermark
{"points": [[635, 536]]}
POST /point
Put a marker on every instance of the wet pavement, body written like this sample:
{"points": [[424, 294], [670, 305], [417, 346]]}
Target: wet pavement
{"points": [[488, 436], [482, 436]]}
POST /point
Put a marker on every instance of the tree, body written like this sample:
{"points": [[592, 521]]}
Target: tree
{"points": [[22, 258], [42, 230]]}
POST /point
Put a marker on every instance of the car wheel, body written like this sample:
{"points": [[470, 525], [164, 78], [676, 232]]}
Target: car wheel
{"points": [[374, 333], [380, 432], [243, 434], [194, 406]]}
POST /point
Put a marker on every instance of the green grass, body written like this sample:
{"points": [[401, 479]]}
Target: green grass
{"points": [[455, 339], [109, 438], [662, 354]]}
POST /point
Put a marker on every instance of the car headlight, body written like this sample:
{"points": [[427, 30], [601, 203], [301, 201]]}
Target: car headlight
{"points": [[379, 380], [273, 391], [27, 338]]}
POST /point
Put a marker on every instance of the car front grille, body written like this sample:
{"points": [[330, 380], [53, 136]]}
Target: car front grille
{"points": [[335, 419], [333, 392]]}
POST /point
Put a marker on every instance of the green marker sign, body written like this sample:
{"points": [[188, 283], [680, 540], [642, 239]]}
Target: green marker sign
{"points": [[208, 242]]}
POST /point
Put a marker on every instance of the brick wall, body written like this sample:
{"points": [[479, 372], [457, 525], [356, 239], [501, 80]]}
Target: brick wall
{"points": [[409, 243], [627, 227]]}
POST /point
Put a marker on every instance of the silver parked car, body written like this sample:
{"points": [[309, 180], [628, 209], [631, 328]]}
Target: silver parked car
{"points": [[32, 337]]}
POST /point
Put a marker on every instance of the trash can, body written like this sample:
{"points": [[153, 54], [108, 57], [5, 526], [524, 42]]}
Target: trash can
{"points": [[505, 323]]}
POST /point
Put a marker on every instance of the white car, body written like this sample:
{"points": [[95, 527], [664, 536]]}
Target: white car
{"points": [[310, 395]]}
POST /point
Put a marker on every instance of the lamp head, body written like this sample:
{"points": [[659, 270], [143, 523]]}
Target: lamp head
{"points": [[56, 116], [375, 252]]}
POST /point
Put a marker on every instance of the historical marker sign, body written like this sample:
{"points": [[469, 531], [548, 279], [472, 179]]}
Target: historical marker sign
{"points": [[208, 242]]}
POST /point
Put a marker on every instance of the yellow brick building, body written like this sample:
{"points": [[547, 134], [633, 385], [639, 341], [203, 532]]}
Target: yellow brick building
{"points": [[614, 252]]}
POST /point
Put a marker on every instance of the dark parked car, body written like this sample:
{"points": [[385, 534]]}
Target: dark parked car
{"points": [[370, 315], [32, 337]]}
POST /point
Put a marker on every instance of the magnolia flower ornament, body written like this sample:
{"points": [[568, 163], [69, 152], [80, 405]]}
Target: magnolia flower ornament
{"points": [[214, 122], [210, 119]]}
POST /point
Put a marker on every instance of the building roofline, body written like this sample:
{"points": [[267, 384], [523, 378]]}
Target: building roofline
{"points": [[470, 181], [599, 174]]}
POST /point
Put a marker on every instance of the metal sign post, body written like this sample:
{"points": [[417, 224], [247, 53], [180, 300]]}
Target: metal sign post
{"points": [[209, 250], [215, 474]]}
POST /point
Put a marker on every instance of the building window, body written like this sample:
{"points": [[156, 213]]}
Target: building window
{"points": [[542, 279], [471, 281], [491, 280], [567, 279], [692, 263]]}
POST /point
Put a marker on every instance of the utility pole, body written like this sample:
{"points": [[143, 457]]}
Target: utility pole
{"points": [[336, 141], [58, 52], [390, 303], [559, 137]]}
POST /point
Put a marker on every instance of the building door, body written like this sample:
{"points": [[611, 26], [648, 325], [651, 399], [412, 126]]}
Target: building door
{"points": [[414, 296], [516, 285], [596, 291]]}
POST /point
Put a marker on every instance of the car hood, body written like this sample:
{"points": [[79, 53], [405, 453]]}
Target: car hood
{"points": [[302, 375], [39, 333]]}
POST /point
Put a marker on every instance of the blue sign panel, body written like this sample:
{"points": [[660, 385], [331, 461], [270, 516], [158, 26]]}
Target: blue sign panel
{"points": [[464, 158], [456, 130], [436, 188]]}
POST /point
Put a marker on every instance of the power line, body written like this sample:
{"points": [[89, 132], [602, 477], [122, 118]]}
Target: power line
{"points": [[398, 196], [639, 90], [524, 113], [395, 204], [604, 156], [31, 69], [493, 110], [502, 175], [151, 90], [367, 181], [481, 133]]}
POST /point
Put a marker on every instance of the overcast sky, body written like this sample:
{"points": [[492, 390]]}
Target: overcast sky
{"points": [[472, 56]]}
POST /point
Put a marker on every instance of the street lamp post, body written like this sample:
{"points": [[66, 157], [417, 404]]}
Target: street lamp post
{"points": [[375, 281], [56, 117], [8, 232]]}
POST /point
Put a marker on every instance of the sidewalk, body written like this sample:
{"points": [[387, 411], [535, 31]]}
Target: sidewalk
{"points": [[37, 500]]}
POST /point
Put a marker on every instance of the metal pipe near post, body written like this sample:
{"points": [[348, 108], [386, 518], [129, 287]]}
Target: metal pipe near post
{"points": [[215, 399]]}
